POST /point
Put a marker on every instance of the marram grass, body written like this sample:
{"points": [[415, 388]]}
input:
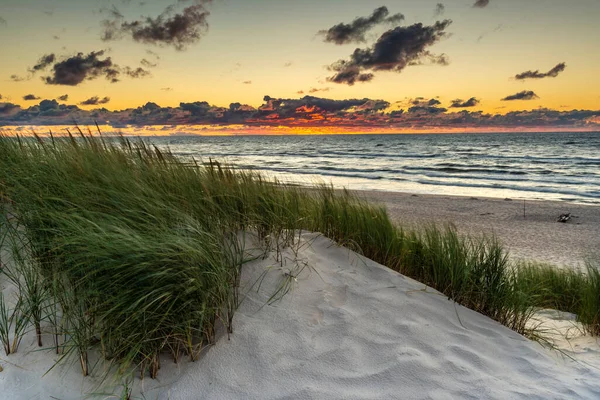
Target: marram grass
{"points": [[130, 253]]}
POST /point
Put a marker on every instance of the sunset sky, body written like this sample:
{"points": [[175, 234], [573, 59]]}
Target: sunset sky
{"points": [[418, 56]]}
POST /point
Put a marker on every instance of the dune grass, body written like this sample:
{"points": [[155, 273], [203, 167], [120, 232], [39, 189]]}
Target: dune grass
{"points": [[131, 253]]}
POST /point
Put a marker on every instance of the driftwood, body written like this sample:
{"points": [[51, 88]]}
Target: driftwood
{"points": [[564, 217]]}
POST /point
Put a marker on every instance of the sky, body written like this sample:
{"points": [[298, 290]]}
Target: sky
{"points": [[316, 66]]}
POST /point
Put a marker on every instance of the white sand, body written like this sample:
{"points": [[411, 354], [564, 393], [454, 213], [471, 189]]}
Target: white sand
{"points": [[535, 237], [352, 329]]}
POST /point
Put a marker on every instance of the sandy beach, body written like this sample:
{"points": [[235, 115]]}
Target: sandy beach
{"points": [[536, 237]]}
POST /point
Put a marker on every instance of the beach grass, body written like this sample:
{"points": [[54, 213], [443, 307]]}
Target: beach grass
{"points": [[131, 253]]}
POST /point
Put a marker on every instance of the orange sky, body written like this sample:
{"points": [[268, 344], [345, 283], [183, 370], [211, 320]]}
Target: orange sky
{"points": [[251, 49]]}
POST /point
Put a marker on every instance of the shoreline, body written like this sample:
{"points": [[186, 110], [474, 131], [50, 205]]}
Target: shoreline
{"points": [[538, 237]]}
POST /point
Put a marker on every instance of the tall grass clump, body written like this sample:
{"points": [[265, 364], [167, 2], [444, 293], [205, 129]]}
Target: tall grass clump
{"points": [[130, 253], [589, 311]]}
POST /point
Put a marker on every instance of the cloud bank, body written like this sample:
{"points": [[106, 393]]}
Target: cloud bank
{"points": [[307, 112]]}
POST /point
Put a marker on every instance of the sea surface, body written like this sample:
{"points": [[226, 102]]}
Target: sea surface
{"points": [[550, 166]]}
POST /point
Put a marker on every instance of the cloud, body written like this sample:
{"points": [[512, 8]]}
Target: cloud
{"points": [[355, 31], [74, 70], [148, 64], [524, 95], [30, 97], [421, 105], [43, 63], [136, 73], [94, 101], [9, 109], [168, 29], [315, 90], [17, 78], [153, 53], [459, 103], [350, 75], [439, 10], [394, 50], [553, 73], [481, 3], [359, 115], [64, 97], [247, 82]]}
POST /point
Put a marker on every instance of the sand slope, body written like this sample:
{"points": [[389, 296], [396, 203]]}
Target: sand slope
{"points": [[353, 329], [349, 328]]}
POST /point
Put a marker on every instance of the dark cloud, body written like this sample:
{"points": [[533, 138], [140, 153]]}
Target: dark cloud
{"points": [[64, 97], [74, 70], [148, 64], [153, 53], [459, 103], [17, 78], [439, 10], [94, 101], [355, 31], [43, 63], [481, 3], [136, 73], [30, 97], [315, 90], [168, 29], [394, 50], [421, 105], [350, 75], [553, 73], [524, 95]]}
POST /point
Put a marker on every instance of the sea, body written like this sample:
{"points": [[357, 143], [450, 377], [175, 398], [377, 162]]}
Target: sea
{"points": [[544, 166]]}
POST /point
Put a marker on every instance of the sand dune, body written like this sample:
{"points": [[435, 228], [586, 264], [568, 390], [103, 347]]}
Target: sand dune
{"points": [[348, 328]]}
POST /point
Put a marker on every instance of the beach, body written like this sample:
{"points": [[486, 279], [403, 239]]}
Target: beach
{"points": [[537, 236]]}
